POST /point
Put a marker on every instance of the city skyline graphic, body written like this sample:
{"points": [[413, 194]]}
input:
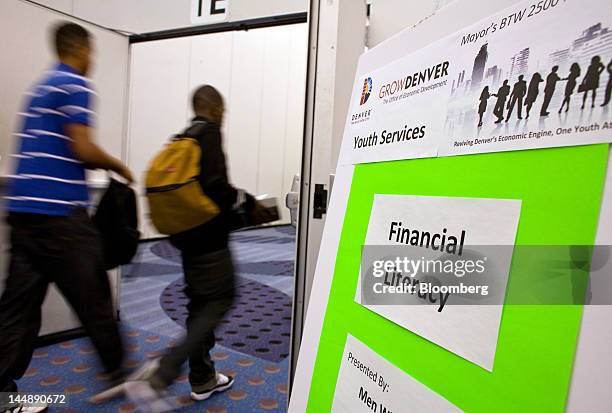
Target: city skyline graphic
{"points": [[468, 85]]}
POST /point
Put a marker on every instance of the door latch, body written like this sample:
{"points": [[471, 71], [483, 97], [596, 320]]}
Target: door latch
{"points": [[320, 201]]}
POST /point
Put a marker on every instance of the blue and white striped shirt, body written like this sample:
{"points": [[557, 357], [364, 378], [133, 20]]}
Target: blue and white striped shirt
{"points": [[49, 179]]}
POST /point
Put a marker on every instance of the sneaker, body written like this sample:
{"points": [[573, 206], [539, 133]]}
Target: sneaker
{"points": [[116, 388], [222, 383], [148, 399], [24, 408]]}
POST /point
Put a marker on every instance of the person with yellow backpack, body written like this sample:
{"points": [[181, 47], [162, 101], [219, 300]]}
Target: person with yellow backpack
{"points": [[191, 199]]}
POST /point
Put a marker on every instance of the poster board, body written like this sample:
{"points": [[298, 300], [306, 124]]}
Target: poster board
{"points": [[537, 344]]}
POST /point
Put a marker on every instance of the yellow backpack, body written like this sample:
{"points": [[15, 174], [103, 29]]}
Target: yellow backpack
{"points": [[176, 200]]}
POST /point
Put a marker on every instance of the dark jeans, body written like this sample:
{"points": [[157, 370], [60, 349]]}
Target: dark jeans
{"points": [[68, 252], [209, 279]]}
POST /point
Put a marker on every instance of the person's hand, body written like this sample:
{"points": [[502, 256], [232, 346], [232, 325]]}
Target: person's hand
{"points": [[126, 174]]}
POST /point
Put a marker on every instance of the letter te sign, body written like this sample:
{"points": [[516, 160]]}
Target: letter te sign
{"points": [[209, 11]]}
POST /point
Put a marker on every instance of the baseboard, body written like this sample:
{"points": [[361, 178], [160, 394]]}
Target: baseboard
{"points": [[263, 226]]}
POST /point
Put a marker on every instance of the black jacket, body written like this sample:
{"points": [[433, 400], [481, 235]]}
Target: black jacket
{"points": [[214, 234]]}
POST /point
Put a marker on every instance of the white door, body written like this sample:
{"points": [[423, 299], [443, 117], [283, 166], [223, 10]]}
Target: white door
{"points": [[334, 48]]}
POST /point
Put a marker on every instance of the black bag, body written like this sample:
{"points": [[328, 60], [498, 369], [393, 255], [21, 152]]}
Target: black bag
{"points": [[251, 214], [117, 221]]}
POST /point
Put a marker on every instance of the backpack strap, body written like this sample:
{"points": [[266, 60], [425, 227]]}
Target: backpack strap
{"points": [[195, 129]]}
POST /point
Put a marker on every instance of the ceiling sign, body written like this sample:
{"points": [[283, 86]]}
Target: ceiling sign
{"points": [[209, 11]]}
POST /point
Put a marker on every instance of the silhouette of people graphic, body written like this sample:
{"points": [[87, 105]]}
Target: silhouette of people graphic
{"points": [[518, 92], [500, 104], [572, 80], [608, 86], [482, 108], [549, 89], [532, 91], [591, 80]]}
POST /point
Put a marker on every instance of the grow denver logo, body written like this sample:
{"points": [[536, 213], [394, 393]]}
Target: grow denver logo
{"points": [[367, 89]]}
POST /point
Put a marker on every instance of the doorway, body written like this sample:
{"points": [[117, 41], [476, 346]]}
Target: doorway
{"points": [[261, 74]]}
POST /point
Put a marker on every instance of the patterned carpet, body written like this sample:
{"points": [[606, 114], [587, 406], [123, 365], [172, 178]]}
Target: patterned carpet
{"points": [[253, 340], [256, 325]]}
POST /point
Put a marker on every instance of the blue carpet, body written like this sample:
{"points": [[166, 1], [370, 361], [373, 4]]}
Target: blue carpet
{"points": [[258, 324], [253, 340]]}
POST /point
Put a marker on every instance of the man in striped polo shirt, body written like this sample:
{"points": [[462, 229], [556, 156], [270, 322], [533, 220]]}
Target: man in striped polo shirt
{"points": [[52, 238]]}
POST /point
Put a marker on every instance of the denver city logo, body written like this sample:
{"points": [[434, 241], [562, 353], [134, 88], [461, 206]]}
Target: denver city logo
{"points": [[363, 115], [366, 91]]}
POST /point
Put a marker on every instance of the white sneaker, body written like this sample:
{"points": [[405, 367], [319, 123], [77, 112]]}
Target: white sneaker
{"points": [[143, 373], [147, 399], [223, 383]]}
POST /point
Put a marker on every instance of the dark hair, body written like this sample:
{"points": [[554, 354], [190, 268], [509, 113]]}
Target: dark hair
{"points": [[575, 68], [206, 97], [69, 36], [485, 93]]}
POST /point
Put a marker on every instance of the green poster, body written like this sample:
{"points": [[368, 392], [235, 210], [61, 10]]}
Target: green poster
{"points": [[561, 193]]}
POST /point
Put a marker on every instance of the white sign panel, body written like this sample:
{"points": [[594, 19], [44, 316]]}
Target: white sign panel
{"points": [[367, 383], [392, 117], [447, 231], [536, 75], [209, 11]]}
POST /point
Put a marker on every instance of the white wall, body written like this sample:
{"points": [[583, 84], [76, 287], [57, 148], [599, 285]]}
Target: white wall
{"points": [[142, 16], [25, 52], [260, 73], [389, 17], [250, 9], [64, 6]]}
